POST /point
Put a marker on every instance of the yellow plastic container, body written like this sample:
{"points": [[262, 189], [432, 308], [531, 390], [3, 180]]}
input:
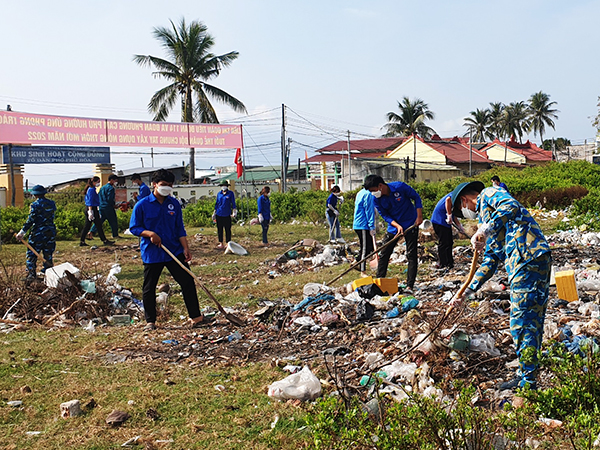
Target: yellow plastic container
{"points": [[362, 282], [565, 286], [389, 285]]}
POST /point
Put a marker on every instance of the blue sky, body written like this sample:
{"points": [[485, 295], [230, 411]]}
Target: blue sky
{"points": [[337, 65]]}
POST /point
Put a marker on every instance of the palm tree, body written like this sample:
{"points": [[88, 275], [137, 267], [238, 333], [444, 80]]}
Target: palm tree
{"points": [[541, 113], [478, 124], [411, 119], [496, 112], [188, 67], [514, 120]]}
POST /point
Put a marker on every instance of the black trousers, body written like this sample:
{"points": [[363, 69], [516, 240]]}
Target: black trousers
{"points": [[88, 224], [411, 238], [265, 228], [366, 246], [224, 223], [445, 243], [152, 273]]}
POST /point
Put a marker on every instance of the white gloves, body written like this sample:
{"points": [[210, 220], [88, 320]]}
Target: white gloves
{"points": [[20, 235], [341, 200], [260, 218], [214, 216], [449, 219], [373, 232], [91, 215], [479, 238], [457, 301], [336, 212], [234, 213]]}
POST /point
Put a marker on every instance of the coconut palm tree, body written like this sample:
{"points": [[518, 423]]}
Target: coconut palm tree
{"points": [[514, 120], [496, 112], [541, 113], [479, 125], [189, 66], [411, 120]]}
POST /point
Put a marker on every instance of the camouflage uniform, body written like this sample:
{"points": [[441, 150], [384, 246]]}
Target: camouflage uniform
{"points": [[43, 233], [516, 239]]}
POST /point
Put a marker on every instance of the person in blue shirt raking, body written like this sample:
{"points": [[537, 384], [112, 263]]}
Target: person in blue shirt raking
{"points": [[401, 207], [364, 225], [499, 184], [158, 220], [264, 212], [225, 210], [442, 220], [333, 213]]}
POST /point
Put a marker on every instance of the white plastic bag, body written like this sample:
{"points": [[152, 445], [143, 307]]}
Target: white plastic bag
{"points": [[484, 342], [303, 385], [236, 249]]}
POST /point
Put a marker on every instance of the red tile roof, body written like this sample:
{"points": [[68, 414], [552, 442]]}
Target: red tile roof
{"points": [[336, 157], [365, 145], [456, 150], [529, 150]]}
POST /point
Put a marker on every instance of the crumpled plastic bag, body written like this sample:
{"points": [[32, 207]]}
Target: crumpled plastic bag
{"points": [[303, 385], [369, 291], [484, 342]]}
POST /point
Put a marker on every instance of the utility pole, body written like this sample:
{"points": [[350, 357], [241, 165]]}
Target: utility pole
{"points": [[470, 151], [152, 155], [505, 151], [142, 160], [414, 175], [553, 151], [287, 157], [349, 164], [12, 176], [283, 150]]}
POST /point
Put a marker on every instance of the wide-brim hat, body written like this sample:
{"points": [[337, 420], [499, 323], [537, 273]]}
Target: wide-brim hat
{"points": [[224, 183], [464, 187], [38, 189]]}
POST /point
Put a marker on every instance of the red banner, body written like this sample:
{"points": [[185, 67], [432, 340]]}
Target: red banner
{"points": [[35, 129]]}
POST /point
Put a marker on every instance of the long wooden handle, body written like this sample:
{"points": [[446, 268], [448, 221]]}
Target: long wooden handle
{"points": [[31, 248], [472, 271], [206, 291]]}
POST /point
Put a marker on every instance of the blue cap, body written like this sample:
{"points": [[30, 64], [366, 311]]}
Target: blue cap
{"points": [[38, 189]]}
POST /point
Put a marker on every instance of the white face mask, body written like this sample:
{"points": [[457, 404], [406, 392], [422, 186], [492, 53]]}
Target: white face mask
{"points": [[376, 194], [97, 184], [468, 214], [224, 188], [165, 191]]}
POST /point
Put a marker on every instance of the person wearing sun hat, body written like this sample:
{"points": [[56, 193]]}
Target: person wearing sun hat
{"points": [[509, 234], [225, 210], [42, 236]]}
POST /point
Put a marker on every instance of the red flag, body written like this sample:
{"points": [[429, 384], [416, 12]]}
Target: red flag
{"points": [[238, 162]]}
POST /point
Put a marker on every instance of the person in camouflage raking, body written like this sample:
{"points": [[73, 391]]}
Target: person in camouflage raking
{"points": [[509, 234], [43, 231]]}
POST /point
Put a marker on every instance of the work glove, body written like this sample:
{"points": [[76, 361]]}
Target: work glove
{"points": [[479, 238], [20, 235], [373, 232], [214, 216], [260, 218], [341, 200], [90, 215], [449, 219], [457, 301], [234, 213], [336, 212]]}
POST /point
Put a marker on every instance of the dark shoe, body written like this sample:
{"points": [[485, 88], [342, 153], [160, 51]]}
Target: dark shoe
{"points": [[107, 242], [83, 244], [205, 320], [150, 326], [509, 385]]}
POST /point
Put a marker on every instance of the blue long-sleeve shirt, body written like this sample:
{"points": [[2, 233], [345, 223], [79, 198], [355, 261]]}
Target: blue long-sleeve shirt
{"points": [[107, 196], [364, 211], [439, 212], [400, 205], [91, 197], [264, 206], [333, 201], [166, 220], [225, 203], [513, 235], [144, 191]]}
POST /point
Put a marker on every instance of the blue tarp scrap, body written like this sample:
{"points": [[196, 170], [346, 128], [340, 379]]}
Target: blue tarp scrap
{"points": [[312, 300]]}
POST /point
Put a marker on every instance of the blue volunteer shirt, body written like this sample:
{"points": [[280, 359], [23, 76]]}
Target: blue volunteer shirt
{"points": [[225, 203], [107, 196], [364, 211], [333, 201], [400, 206], [91, 197], [165, 220], [439, 212], [264, 206], [144, 191]]}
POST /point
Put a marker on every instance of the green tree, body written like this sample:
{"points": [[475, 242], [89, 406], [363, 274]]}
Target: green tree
{"points": [[540, 113], [560, 144], [496, 114], [479, 124], [189, 66], [515, 120], [411, 120]]}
